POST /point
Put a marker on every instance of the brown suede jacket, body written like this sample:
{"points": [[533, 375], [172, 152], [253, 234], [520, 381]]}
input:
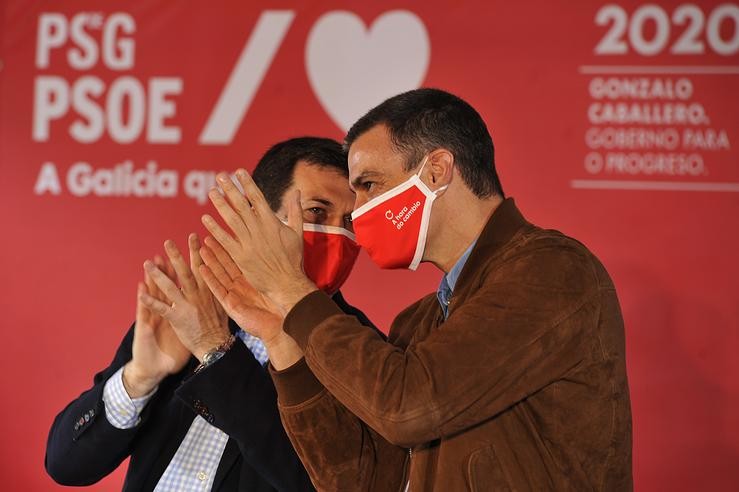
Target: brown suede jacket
{"points": [[522, 387]]}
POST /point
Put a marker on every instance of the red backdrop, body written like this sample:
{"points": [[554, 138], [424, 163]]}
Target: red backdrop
{"points": [[616, 123]]}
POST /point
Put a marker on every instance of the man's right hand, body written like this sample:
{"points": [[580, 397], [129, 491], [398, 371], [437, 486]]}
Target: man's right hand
{"points": [[157, 351], [251, 310]]}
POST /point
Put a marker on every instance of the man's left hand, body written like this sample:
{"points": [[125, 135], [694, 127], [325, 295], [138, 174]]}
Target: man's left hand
{"points": [[197, 318]]}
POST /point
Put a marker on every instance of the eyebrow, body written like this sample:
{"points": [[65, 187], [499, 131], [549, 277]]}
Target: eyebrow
{"points": [[365, 174], [320, 200]]}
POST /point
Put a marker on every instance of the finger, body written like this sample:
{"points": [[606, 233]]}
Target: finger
{"points": [[295, 214], [216, 287], [155, 305], [224, 238], [223, 258], [193, 243], [152, 288], [254, 194], [165, 284], [166, 267], [184, 274], [236, 199], [141, 311], [232, 218], [215, 266], [218, 271]]}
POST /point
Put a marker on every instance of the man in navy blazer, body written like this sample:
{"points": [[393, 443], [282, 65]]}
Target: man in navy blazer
{"points": [[188, 417]]}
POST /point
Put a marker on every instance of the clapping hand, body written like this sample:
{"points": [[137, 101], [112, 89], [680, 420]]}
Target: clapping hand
{"points": [[157, 351], [267, 252], [251, 310], [197, 318]]}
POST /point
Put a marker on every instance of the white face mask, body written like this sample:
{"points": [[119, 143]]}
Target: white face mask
{"points": [[393, 227]]}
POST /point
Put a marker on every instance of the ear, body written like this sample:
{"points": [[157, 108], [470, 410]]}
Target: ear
{"points": [[439, 168]]}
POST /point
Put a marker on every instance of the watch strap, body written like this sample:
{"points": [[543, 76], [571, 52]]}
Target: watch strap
{"points": [[213, 355]]}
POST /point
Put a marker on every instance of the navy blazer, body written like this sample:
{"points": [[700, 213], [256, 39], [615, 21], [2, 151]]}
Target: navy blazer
{"points": [[235, 394]]}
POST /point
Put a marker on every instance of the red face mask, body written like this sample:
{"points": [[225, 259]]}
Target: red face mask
{"points": [[329, 254], [393, 226]]}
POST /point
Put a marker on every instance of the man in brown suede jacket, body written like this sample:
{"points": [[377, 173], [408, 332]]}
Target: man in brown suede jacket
{"points": [[511, 377]]}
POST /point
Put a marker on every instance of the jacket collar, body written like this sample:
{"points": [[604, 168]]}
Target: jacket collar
{"points": [[505, 221]]}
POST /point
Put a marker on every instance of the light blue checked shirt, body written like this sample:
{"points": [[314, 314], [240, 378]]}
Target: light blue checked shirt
{"points": [[446, 288], [193, 467]]}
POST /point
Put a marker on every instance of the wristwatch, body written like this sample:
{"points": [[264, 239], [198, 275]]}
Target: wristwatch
{"points": [[213, 355]]}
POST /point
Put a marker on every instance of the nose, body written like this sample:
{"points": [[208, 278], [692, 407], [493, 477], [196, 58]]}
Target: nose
{"points": [[336, 220], [359, 200], [339, 220]]}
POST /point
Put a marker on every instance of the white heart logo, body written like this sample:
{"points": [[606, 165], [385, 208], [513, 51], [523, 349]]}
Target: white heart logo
{"points": [[352, 69]]}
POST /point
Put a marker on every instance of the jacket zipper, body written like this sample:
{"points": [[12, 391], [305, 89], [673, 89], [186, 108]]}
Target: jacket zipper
{"points": [[408, 480]]}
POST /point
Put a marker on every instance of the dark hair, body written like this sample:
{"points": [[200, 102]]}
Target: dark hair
{"points": [[423, 120], [274, 171]]}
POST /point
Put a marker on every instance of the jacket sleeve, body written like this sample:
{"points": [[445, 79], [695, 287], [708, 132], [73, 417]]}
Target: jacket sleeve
{"points": [[520, 330], [237, 395], [83, 447], [339, 451]]}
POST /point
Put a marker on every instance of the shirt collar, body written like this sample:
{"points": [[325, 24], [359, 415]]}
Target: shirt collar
{"points": [[444, 292]]}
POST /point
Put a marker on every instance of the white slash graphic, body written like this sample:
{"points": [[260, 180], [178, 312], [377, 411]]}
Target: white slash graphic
{"points": [[246, 77]]}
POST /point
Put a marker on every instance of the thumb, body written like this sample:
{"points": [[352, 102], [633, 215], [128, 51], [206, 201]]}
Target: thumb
{"points": [[295, 213]]}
